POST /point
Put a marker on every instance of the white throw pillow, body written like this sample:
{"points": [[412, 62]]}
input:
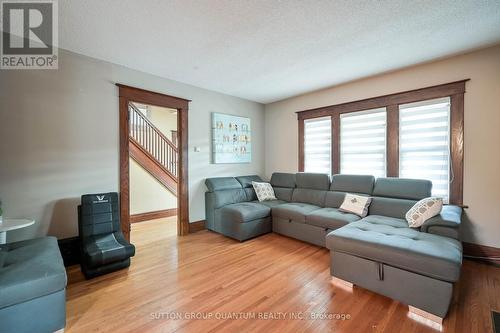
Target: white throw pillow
{"points": [[264, 191], [424, 210], [356, 204]]}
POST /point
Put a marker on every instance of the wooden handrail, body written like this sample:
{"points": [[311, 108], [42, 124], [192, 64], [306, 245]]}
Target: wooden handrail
{"points": [[141, 148], [152, 140], [169, 142]]}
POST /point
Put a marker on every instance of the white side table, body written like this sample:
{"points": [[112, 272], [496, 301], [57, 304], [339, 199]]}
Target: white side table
{"points": [[12, 224]]}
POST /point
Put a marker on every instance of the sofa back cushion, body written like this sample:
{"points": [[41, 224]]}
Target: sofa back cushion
{"points": [[353, 184], [334, 199], [391, 207], [225, 191], [395, 196], [246, 181], [227, 197], [311, 188], [222, 183], [402, 188], [282, 179], [313, 181], [246, 184], [342, 184], [313, 197], [283, 185]]}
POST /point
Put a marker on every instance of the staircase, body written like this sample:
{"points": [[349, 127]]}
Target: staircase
{"points": [[152, 150]]}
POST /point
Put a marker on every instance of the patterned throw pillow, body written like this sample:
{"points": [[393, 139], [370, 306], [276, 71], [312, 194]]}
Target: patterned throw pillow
{"points": [[355, 204], [264, 191], [423, 210]]}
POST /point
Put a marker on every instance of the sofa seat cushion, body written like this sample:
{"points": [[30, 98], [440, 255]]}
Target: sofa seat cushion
{"points": [[271, 203], [391, 221], [244, 212], [387, 241], [32, 269], [295, 211], [106, 249], [330, 218]]}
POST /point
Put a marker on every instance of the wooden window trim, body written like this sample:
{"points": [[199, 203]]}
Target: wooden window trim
{"points": [[301, 145], [392, 142], [131, 94], [335, 143], [454, 90]]}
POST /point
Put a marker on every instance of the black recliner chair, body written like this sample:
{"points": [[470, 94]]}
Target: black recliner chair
{"points": [[103, 247]]}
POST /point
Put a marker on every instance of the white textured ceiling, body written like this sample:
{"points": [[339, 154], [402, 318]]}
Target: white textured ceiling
{"points": [[267, 50]]}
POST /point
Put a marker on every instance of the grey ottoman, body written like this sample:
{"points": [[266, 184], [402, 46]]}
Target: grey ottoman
{"points": [[32, 286], [384, 255]]}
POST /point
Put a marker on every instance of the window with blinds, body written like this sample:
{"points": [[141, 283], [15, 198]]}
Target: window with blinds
{"points": [[424, 143], [317, 145], [363, 142]]}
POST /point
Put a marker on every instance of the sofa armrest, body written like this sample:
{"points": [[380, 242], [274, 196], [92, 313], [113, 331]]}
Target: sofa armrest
{"points": [[447, 223]]}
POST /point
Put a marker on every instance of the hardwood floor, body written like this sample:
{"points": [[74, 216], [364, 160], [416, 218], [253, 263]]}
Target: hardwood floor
{"points": [[205, 273]]}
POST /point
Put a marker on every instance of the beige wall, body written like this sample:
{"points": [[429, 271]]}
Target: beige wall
{"points": [[146, 193], [164, 119], [482, 128], [59, 139]]}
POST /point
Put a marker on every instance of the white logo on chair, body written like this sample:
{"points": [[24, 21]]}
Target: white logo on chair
{"points": [[100, 199]]}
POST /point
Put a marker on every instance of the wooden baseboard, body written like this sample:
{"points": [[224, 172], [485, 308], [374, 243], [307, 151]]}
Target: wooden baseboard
{"points": [[196, 226], [484, 253], [153, 215]]}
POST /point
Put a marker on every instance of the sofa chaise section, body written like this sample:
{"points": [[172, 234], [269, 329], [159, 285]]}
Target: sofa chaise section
{"points": [[381, 253], [232, 209], [415, 268]]}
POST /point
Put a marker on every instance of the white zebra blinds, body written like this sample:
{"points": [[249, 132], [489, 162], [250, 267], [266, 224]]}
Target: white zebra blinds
{"points": [[317, 145], [363, 142], [424, 143]]}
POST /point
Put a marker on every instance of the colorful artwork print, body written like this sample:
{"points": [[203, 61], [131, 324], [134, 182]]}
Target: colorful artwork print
{"points": [[231, 139]]}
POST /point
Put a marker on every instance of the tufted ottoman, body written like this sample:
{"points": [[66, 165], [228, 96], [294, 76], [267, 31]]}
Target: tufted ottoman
{"points": [[384, 255]]}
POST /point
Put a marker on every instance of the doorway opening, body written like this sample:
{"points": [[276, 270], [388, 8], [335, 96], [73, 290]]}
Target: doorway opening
{"points": [[153, 159]]}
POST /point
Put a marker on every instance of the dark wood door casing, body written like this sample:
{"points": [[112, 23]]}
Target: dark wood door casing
{"points": [[129, 94]]}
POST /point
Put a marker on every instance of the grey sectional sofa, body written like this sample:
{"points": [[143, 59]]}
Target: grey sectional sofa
{"points": [[32, 286], [379, 252]]}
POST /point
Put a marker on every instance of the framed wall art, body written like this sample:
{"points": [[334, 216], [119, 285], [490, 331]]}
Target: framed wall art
{"points": [[231, 139]]}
